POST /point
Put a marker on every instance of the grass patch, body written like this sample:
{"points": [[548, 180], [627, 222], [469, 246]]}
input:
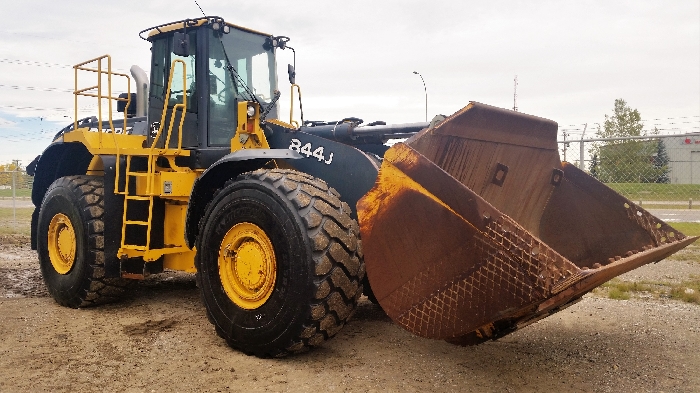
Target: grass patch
{"points": [[20, 192], [687, 228], [618, 289], [669, 206], [689, 254], [21, 225], [687, 291], [656, 191], [617, 294]]}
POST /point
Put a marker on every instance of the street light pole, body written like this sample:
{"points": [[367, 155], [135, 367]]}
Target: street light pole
{"points": [[426, 95]]}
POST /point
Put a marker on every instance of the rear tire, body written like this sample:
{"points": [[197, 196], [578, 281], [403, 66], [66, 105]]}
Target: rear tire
{"points": [[70, 243], [314, 253]]}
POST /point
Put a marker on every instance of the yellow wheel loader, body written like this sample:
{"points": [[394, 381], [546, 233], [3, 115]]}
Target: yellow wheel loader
{"points": [[467, 231]]}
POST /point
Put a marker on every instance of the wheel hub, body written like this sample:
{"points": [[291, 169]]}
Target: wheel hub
{"points": [[62, 243], [247, 265]]}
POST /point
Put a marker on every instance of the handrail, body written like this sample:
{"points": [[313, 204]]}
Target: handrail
{"points": [[96, 91], [291, 107], [183, 106], [100, 96]]}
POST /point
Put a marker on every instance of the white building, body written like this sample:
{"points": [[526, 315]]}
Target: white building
{"points": [[684, 158]]}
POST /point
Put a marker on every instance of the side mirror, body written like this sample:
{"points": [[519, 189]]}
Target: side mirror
{"points": [[121, 104], [181, 44], [292, 73]]}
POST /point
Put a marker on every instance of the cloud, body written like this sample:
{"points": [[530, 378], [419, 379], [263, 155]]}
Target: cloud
{"points": [[4, 123], [573, 59]]}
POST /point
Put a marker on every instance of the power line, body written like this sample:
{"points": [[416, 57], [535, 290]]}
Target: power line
{"points": [[45, 64], [83, 108], [43, 137], [32, 88], [696, 119], [45, 37], [24, 120], [34, 63], [515, 94], [33, 108], [671, 118]]}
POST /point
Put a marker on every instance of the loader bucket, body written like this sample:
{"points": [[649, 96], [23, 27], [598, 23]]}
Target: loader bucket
{"points": [[475, 228]]}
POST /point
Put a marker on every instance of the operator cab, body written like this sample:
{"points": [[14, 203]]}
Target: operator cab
{"points": [[222, 64]]}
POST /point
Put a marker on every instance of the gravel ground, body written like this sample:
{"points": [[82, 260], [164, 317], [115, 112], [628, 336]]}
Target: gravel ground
{"points": [[159, 340]]}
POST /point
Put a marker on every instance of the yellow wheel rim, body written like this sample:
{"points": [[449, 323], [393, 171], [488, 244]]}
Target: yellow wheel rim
{"points": [[247, 265], [62, 243]]}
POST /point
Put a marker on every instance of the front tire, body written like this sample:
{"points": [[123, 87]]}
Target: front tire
{"points": [[278, 262], [70, 243]]}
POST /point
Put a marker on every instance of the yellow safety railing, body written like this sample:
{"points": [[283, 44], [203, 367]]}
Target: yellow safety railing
{"points": [[177, 107], [153, 153], [97, 66], [291, 105], [182, 106]]}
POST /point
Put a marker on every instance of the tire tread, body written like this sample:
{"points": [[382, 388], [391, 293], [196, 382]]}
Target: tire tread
{"points": [[94, 287], [336, 251]]}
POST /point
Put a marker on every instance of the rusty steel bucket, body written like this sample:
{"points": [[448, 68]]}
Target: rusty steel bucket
{"points": [[475, 228]]}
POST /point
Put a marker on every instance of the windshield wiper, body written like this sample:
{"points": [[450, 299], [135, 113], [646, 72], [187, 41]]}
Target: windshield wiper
{"points": [[237, 78]]}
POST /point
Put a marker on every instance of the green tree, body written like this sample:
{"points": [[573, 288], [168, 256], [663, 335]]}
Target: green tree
{"points": [[624, 121], [625, 161], [593, 167], [661, 161], [14, 169]]}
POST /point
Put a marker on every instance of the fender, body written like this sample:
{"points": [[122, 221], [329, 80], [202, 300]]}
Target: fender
{"points": [[215, 177], [58, 160], [350, 171]]}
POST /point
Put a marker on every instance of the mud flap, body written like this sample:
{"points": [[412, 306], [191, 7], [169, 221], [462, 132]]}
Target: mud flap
{"points": [[475, 228]]}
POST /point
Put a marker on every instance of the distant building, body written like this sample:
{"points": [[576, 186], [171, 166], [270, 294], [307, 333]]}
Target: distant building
{"points": [[684, 158]]}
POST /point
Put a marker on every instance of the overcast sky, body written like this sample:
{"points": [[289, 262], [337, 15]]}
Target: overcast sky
{"points": [[356, 58]]}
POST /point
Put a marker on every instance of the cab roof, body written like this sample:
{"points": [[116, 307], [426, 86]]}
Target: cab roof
{"points": [[189, 23]]}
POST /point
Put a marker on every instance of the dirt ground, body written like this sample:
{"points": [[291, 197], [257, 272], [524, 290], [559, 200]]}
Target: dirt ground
{"points": [[159, 340]]}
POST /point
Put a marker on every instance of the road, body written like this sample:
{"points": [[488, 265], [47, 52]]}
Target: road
{"points": [[668, 215], [676, 215], [19, 203], [158, 339]]}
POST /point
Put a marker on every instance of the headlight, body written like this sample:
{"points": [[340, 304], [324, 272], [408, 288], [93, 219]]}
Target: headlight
{"points": [[251, 111]]}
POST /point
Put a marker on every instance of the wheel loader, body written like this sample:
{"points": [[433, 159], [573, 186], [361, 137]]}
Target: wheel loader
{"points": [[468, 230]]}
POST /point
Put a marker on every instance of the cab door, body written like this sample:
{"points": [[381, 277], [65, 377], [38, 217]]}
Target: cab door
{"points": [[162, 65]]}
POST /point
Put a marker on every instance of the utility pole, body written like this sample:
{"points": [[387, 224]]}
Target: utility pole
{"points": [[515, 93], [581, 150], [566, 144], [14, 193]]}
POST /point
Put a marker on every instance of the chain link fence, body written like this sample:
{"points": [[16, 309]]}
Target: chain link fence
{"points": [[15, 202], [659, 172]]}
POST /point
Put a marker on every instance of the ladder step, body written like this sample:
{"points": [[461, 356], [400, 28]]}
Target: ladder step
{"points": [[137, 198], [134, 247], [128, 222], [134, 250]]}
